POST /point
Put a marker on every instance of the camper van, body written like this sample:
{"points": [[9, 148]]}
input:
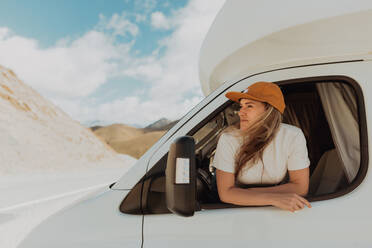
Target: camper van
{"points": [[321, 58]]}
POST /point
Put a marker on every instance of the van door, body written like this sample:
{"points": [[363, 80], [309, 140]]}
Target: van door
{"points": [[340, 219]]}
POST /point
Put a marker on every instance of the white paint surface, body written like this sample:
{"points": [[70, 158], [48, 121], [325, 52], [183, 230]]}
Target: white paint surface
{"points": [[248, 36], [29, 199]]}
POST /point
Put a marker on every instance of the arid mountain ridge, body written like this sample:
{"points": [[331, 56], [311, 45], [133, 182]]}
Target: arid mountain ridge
{"points": [[130, 140]]}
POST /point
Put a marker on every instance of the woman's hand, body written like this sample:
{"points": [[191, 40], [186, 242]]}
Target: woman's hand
{"points": [[289, 201]]}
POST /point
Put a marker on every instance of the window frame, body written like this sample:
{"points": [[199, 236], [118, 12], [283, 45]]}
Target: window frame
{"points": [[363, 141]]}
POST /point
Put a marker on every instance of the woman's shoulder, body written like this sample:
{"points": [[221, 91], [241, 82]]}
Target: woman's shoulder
{"points": [[289, 130], [231, 135]]}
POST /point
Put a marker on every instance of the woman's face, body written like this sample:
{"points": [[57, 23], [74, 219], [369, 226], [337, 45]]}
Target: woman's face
{"points": [[250, 110]]}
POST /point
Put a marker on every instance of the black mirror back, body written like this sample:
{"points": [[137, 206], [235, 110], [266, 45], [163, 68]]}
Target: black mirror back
{"points": [[180, 175]]}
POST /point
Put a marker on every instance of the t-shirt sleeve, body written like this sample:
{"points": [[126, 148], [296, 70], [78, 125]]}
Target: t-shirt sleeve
{"points": [[224, 155], [298, 156]]}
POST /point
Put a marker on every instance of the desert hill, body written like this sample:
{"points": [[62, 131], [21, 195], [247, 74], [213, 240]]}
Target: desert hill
{"points": [[137, 146], [117, 132], [161, 125], [37, 135], [133, 141]]}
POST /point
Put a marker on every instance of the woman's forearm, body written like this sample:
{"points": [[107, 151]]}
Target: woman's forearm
{"points": [[283, 188], [246, 197], [249, 197]]}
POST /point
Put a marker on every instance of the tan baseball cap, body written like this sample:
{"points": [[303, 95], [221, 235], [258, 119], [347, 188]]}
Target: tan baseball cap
{"points": [[263, 92]]}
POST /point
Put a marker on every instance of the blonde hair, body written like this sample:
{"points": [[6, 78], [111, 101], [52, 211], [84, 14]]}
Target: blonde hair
{"points": [[262, 131]]}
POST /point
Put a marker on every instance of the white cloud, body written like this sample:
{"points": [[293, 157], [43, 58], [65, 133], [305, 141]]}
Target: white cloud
{"points": [[4, 32], [140, 18], [71, 70], [131, 110], [177, 70], [119, 24], [146, 6], [158, 20], [173, 75]]}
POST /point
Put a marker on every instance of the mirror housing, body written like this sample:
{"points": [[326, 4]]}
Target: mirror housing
{"points": [[180, 185]]}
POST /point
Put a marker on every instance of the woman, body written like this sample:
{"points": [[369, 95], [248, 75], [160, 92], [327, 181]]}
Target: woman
{"points": [[260, 150]]}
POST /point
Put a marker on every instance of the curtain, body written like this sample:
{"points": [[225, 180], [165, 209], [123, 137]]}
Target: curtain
{"points": [[340, 107], [303, 109]]}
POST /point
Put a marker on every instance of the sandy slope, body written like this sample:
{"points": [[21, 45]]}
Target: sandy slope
{"points": [[36, 135]]}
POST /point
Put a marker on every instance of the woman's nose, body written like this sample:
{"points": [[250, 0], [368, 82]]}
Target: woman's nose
{"points": [[242, 112], [243, 109]]}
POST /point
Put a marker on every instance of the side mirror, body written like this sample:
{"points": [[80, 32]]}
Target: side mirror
{"points": [[180, 182]]}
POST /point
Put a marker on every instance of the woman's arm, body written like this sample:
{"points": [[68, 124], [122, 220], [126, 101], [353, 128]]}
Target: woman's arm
{"points": [[298, 183], [229, 193]]}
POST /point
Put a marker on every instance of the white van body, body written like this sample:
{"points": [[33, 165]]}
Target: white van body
{"points": [[231, 59]]}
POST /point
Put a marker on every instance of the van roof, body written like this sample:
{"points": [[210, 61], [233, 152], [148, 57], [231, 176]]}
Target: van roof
{"points": [[247, 37]]}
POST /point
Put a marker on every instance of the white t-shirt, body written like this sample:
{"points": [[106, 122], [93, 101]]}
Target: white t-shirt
{"points": [[287, 151]]}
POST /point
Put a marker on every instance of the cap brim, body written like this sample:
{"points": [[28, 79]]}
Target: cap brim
{"points": [[235, 96]]}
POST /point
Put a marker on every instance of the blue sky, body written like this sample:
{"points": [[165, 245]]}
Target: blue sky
{"points": [[119, 61], [51, 20]]}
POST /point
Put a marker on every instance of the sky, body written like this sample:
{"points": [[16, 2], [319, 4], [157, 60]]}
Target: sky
{"points": [[105, 62]]}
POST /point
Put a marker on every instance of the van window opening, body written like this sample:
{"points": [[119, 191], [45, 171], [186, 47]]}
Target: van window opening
{"points": [[330, 112]]}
